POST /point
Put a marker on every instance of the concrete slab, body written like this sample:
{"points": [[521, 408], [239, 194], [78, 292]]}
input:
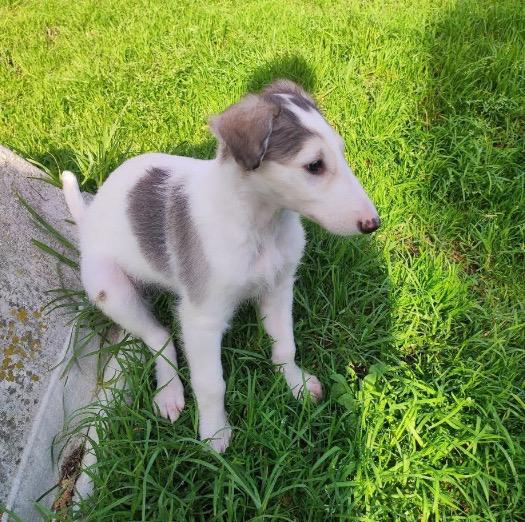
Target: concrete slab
{"points": [[34, 398]]}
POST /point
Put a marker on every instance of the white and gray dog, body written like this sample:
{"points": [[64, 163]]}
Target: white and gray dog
{"points": [[217, 232]]}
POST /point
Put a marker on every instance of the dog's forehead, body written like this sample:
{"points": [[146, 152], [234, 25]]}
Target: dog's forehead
{"points": [[310, 118]]}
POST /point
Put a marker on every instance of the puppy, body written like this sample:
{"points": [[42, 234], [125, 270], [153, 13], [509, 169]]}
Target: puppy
{"points": [[217, 232]]}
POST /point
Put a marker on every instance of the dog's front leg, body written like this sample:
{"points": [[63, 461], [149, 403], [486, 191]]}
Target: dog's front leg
{"points": [[202, 334], [276, 310]]}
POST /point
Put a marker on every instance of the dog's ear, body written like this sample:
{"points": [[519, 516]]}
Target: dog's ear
{"points": [[244, 129]]}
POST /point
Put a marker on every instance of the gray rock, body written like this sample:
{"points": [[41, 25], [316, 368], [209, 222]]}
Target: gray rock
{"points": [[35, 399]]}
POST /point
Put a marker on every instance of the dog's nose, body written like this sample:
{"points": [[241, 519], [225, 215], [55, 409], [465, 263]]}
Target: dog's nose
{"points": [[370, 225]]}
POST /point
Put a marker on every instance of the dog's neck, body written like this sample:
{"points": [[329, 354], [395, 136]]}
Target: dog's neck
{"points": [[260, 210]]}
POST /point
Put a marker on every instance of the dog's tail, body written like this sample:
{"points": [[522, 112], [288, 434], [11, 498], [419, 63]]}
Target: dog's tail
{"points": [[73, 197]]}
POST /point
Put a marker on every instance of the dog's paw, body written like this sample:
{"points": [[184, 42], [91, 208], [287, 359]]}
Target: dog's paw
{"points": [[169, 401], [218, 439], [314, 387], [301, 382]]}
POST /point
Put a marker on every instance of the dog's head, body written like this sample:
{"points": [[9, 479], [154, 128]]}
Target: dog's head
{"points": [[296, 157]]}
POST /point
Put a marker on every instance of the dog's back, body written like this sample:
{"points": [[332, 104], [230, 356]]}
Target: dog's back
{"points": [[126, 220]]}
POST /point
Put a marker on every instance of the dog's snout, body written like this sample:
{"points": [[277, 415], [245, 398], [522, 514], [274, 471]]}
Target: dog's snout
{"points": [[369, 225]]}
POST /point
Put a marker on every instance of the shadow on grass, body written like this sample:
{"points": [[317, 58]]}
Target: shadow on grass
{"points": [[475, 127], [291, 67]]}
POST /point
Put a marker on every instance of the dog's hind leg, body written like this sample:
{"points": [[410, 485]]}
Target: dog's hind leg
{"points": [[109, 288], [276, 310]]}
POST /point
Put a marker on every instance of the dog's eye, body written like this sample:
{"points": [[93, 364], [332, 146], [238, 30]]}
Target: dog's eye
{"points": [[316, 167]]}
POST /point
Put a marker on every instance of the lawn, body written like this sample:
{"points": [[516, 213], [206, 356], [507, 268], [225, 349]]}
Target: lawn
{"points": [[417, 333]]}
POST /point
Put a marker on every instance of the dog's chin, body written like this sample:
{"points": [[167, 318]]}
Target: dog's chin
{"points": [[344, 232], [337, 228]]}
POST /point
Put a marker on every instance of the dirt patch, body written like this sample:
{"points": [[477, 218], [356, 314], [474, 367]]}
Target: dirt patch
{"points": [[469, 266], [69, 473], [361, 370]]}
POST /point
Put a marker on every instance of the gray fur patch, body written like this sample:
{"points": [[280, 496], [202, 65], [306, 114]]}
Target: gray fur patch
{"points": [[288, 134], [244, 129], [264, 126], [147, 213], [101, 297], [302, 102], [296, 93], [184, 239]]}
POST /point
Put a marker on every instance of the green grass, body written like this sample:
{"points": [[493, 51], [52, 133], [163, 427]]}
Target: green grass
{"points": [[417, 333]]}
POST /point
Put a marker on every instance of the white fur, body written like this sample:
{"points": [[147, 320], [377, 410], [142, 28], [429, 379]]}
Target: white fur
{"points": [[253, 241], [72, 194]]}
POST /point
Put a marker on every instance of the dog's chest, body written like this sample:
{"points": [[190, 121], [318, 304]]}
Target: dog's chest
{"points": [[270, 259], [268, 263], [263, 257]]}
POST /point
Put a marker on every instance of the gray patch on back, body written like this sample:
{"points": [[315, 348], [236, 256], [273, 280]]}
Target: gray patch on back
{"points": [[147, 214], [184, 239]]}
